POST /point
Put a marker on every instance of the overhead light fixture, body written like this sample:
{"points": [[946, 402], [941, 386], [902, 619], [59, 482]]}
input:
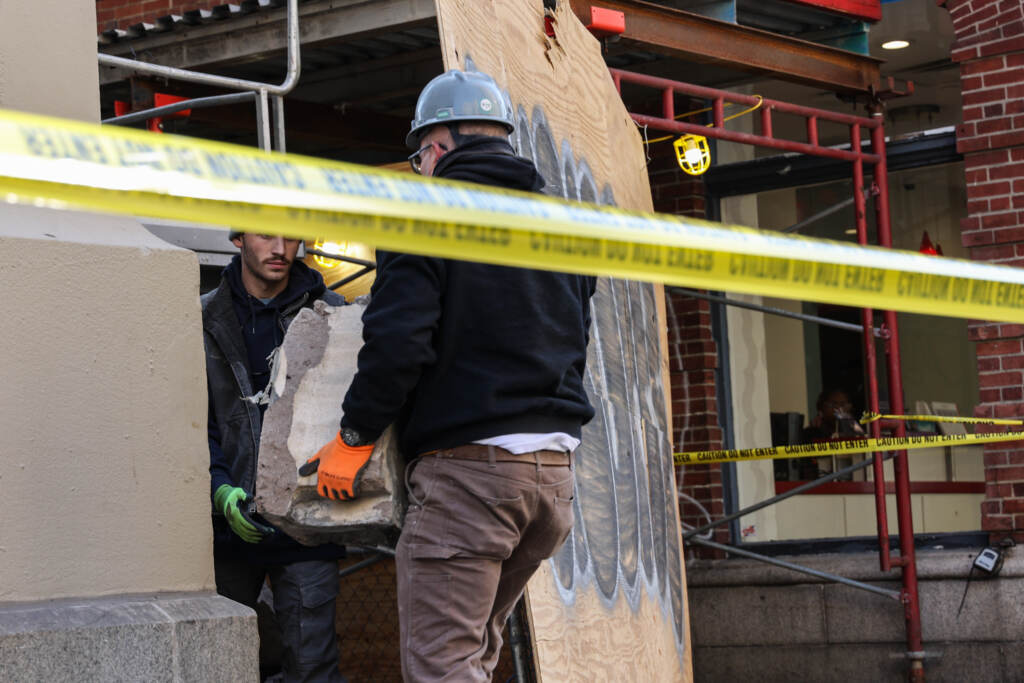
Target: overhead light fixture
{"points": [[693, 153], [895, 44]]}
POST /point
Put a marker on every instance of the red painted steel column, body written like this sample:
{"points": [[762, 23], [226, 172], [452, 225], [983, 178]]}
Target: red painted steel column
{"points": [[911, 604], [870, 361], [668, 104]]}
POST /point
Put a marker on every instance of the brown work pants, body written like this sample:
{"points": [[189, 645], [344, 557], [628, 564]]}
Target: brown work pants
{"points": [[474, 534]]}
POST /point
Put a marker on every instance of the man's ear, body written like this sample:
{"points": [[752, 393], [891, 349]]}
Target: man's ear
{"points": [[237, 241]]}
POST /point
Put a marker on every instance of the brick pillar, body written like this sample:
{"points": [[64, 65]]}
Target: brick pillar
{"points": [[693, 354], [990, 50]]}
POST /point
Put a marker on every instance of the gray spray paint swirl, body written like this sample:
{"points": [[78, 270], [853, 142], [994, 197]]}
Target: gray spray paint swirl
{"points": [[623, 542]]}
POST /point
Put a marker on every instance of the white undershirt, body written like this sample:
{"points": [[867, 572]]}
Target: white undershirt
{"points": [[527, 443]]}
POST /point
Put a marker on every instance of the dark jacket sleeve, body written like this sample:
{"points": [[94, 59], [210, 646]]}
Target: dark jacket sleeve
{"points": [[398, 340], [220, 474]]}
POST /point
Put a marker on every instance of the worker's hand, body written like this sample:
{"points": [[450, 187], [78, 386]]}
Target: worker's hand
{"points": [[339, 467], [230, 500]]}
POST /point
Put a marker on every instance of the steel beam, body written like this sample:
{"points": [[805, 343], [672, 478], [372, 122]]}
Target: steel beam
{"points": [[694, 38]]}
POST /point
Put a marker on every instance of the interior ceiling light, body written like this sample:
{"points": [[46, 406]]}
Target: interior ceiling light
{"points": [[895, 44], [693, 154]]}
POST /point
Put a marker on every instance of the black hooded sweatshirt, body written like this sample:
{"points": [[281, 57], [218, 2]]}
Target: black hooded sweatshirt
{"points": [[259, 328], [456, 351]]}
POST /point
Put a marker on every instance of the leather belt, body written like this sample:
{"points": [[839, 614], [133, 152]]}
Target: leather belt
{"points": [[476, 451]]}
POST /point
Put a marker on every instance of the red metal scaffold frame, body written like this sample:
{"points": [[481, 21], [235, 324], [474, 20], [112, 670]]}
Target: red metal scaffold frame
{"points": [[856, 154]]}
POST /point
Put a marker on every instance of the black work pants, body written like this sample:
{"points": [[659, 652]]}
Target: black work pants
{"points": [[304, 597]]}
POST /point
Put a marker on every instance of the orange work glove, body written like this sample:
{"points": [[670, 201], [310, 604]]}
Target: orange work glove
{"points": [[339, 467]]}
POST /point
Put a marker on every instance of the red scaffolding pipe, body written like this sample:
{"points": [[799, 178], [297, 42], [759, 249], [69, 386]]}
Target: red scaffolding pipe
{"points": [[856, 154], [901, 469]]}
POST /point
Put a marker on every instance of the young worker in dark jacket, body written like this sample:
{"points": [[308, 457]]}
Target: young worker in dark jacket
{"points": [[481, 367], [244, 321]]}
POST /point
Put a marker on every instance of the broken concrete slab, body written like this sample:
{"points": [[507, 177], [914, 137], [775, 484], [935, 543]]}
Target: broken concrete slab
{"points": [[316, 364]]}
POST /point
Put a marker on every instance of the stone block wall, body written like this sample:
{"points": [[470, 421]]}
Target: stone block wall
{"points": [[755, 622]]}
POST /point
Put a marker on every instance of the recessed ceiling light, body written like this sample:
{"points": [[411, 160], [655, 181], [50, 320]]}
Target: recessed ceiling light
{"points": [[895, 44]]}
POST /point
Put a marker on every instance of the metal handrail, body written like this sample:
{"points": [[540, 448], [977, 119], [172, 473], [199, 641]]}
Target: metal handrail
{"points": [[291, 75], [771, 310], [263, 91], [175, 107], [849, 469], [893, 595]]}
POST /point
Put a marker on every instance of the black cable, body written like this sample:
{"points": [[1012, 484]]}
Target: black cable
{"points": [[966, 587]]}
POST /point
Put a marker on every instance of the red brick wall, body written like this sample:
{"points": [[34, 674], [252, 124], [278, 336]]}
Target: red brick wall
{"points": [[990, 49], [124, 13], [693, 354]]}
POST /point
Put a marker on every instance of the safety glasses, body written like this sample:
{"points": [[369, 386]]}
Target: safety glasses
{"points": [[416, 160]]}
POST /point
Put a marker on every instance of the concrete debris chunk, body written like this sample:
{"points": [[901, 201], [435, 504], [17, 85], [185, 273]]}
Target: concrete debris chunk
{"points": [[316, 364]]}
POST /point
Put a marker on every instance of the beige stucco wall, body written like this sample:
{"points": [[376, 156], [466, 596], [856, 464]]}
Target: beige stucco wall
{"points": [[787, 360], [104, 484], [48, 58], [748, 368]]}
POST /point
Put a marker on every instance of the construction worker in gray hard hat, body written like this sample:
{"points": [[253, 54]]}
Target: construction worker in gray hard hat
{"points": [[481, 369]]}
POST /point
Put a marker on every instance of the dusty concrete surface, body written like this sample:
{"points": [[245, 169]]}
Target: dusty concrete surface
{"points": [[317, 363]]}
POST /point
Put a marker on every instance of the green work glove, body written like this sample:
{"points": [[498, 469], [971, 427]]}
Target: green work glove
{"points": [[230, 500]]}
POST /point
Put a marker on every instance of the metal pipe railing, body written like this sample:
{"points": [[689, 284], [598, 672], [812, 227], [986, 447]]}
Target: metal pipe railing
{"points": [[362, 564], [286, 86], [870, 361], [901, 472], [718, 99], [771, 310], [892, 595], [262, 91], [619, 76], [175, 107], [341, 257], [824, 213], [849, 469]]}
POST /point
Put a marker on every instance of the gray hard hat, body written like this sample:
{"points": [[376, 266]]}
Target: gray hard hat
{"points": [[459, 96]]}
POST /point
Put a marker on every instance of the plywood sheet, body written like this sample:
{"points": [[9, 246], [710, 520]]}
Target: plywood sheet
{"points": [[611, 605], [558, 85]]}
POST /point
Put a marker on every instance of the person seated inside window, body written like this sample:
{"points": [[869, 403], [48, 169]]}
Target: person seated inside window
{"points": [[835, 418]]}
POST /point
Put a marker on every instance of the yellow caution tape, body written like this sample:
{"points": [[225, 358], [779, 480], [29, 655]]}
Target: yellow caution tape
{"points": [[843, 447], [64, 164], [869, 417]]}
